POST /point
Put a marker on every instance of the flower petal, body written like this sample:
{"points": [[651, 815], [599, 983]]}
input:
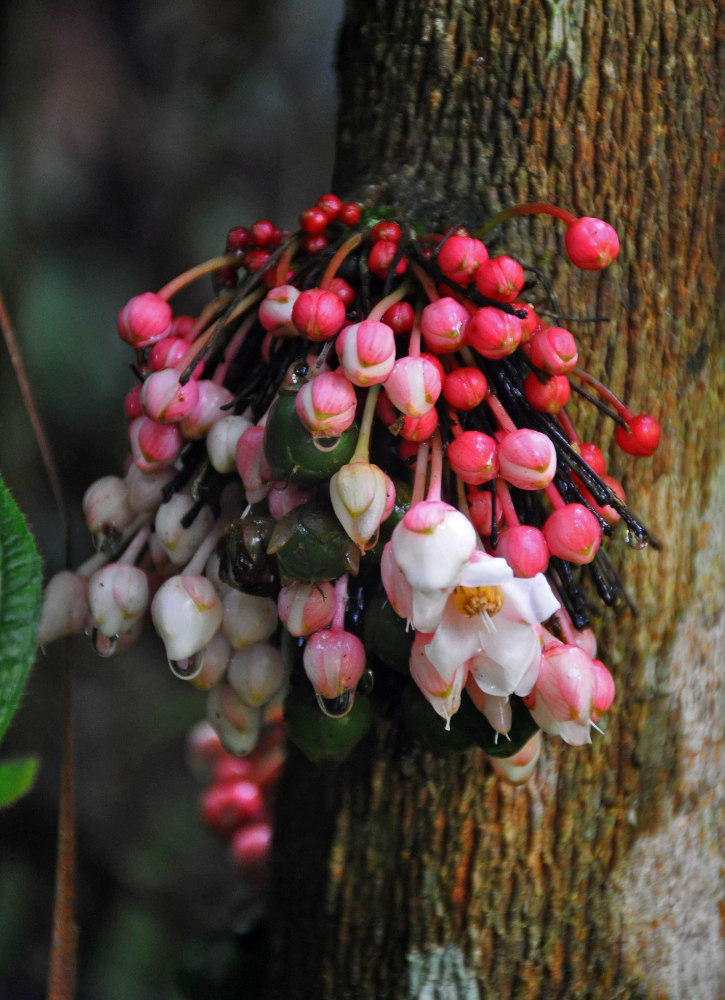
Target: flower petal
{"points": [[532, 599], [506, 657]]}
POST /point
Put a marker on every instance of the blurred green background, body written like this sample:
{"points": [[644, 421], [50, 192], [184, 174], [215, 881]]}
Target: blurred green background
{"points": [[132, 137]]}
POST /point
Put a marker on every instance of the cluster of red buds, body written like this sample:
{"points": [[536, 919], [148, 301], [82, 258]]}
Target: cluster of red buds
{"points": [[357, 461], [236, 804]]}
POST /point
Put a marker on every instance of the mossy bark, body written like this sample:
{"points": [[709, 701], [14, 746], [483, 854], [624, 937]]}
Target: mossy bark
{"points": [[398, 875]]}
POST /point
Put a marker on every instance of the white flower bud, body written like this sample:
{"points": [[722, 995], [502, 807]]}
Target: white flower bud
{"points": [[237, 725], [107, 510], [118, 596], [257, 673], [64, 607], [186, 612], [248, 619], [178, 542], [221, 442]]}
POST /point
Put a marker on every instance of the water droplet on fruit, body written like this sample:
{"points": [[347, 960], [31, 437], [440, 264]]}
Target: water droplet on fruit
{"points": [[188, 667], [337, 708]]}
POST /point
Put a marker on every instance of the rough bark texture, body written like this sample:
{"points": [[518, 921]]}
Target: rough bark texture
{"points": [[403, 876]]}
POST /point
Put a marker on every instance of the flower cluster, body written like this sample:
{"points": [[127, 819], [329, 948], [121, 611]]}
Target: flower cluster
{"points": [[358, 458]]}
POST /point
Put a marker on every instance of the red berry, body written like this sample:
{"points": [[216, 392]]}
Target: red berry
{"points": [[473, 457], [591, 244], [500, 278], [313, 220], [641, 436], [225, 277], [238, 238], [381, 257], [330, 205], [264, 233], [400, 317], [465, 388], [386, 230], [314, 243], [253, 260], [349, 213], [548, 396], [346, 292], [594, 456]]}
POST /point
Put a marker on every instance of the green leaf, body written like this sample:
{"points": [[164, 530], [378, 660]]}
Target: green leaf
{"points": [[20, 601], [16, 778]]}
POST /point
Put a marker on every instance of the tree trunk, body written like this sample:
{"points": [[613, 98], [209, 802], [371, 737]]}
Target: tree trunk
{"points": [[399, 875]]}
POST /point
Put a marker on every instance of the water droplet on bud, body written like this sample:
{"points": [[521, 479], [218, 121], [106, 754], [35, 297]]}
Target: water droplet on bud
{"points": [[636, 541], [337, 708], [189, 667], [104, 645]]}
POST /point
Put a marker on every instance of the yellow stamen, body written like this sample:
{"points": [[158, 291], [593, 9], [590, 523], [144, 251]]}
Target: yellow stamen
{"points": [[472, 601]]}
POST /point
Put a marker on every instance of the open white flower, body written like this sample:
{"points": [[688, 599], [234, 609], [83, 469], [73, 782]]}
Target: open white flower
{"points": [[488, 622]]}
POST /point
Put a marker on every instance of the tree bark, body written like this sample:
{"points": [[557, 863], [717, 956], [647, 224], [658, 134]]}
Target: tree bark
{"points": [[398, 875]]}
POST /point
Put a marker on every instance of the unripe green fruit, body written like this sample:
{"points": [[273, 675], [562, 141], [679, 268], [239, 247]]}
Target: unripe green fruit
{"points": [[294, 456], [319, 736]]}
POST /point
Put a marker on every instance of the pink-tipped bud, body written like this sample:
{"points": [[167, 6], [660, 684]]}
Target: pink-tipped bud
{"points": [[443, 694], [367, 352], [400, 317], [275, 310], [306, 607], [118, 596], [154, 446], [334, 662], [237, 725], [326, 404], [525, 550], [573, 533], [398, 590], [443, 325], [432, 544], [592, 244], [186, 612], [248, 619], [64, 607], [527, 459], [465, 388], [473, 456], [250, 848], [493, 333], [414, 385], [132, 406], [318, 314], [549, 396], [460, 258], [144, 488], [252, 465], [640, 437], [222, 441], [480, 508], [165, 399], [144, 319], [359, 493], [107, 509], [500, 278], [553, 350], [212, 405], [604, 690], [518, 768], [167, 353], [257, 673], [562, 700]]}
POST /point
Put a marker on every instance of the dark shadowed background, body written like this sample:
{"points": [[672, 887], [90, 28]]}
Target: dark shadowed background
{"points": [[132, 137]]}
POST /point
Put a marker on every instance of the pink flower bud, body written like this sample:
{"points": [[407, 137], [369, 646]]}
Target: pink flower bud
{"points": [[531, 324], [334, 662], [237, 725], [206, 412], [493, 333], [225, 807], [318, 314], [640, 437], [443, 695], [604, 690], [118, 596], [154, 446], [473, 456], [326, 404], [398, 590], [107, 509], [213, 664], [275, 310], [591, 244], [284, 497], [381, 257], [252, 465], [527, 459], [480, 508], [222, 441], [414, 385], [432, 544], [594, 457], [144, 319], [443, 325], [518, 768], [524, 548], [553, 350], [400, 317], [306, 607], [465, 388], [549, 396], [165, 399], [500, 278], [460, 257], [186, 612], [345, 291], [167, 353], [366, 351], [419, 428], [573, 533], [179, 542], [64, 607], [248, 618], [257, 673], [359, 495], [132, 407], [144, 488], [562, 700]]}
